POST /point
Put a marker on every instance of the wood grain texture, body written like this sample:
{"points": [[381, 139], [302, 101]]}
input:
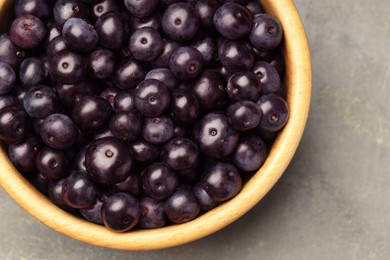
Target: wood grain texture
{"points": [[298, 83]]}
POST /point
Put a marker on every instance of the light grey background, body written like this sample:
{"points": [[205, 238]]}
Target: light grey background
{"points": [[334, 200]]}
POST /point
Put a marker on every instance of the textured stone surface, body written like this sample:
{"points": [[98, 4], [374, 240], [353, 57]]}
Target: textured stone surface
{"points": [[333, 201]]}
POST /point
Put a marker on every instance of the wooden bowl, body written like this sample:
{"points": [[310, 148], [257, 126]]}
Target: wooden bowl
{"points": [[298, 84]]}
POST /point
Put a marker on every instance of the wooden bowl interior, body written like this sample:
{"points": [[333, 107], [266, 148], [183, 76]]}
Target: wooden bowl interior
{"points": [[298, 84]]}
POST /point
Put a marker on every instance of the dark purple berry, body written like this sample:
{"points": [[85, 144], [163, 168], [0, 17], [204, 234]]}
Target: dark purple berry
{"points": [[68, 67], [243, 85], [275, 112], [266, 33], [158, 181], [182, 206], [13, 124], [180, 154], [23, 154], [78, 191], [92, 113], [129, 74], [186, 63], [250, 153], [268, 76], [52, 164], [152, 213], [184, 106], [164, 75], [205, 201], [65, 9], [9, 52], [244, 115], [58, 131], [101, 63], [144, 151], [146, 44], [111, 29], [132, 184], [108, 160], [215, 136], [7, 78], [121, 212], [158, 130], [236, 55], [152, 97], [31, 72], [221, 181], [27, 31], [206, 10], [233, 21], [38, 8], [180, 22], [104, 6], [124, 101], [79, 35], [40, 101], [141, 8], [125, 126], [162, 61]]}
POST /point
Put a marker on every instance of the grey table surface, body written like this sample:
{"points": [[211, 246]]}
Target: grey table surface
{"points": [[333, 202]]}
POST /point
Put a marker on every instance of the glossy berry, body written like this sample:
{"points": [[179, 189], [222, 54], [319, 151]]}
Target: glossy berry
{"points": [[164, 75], [158, 181], [78, 191], [8, 101], [204, 199], [108, 160], [92, 113], [52, 164], [23, 154], [121, 212], [244, 115], [233, 21], [180, 22], [65, 9], [141, 8], [209, 89], [68, 67], [236, 55], [58, 131], [7, 78], [215, 136], [152, 21], [31, 72], [38, 8], [103, 6], [144, 151], [132, 184], [243, 85], [79, 35], [101, 63], [206, 10], [129, 74], [275, 112], [70, 94], [13, 124], [152, 97], [27, 31], [94, 213], [111, 30], [158, 130], [268, 76], [152, 213], [55, 45], [40, 101], [186, 63], [255, 7], [9, 52], [55, 194], [266, 32], [184, 106], [180, 154], [124, 101], [146, 44], [250, 153], [207, 46], [221, 181], [182, 206], [125, 126], [162, 61]]}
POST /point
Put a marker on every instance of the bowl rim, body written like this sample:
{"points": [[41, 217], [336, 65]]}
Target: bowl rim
{"points": [[299, 81]]}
